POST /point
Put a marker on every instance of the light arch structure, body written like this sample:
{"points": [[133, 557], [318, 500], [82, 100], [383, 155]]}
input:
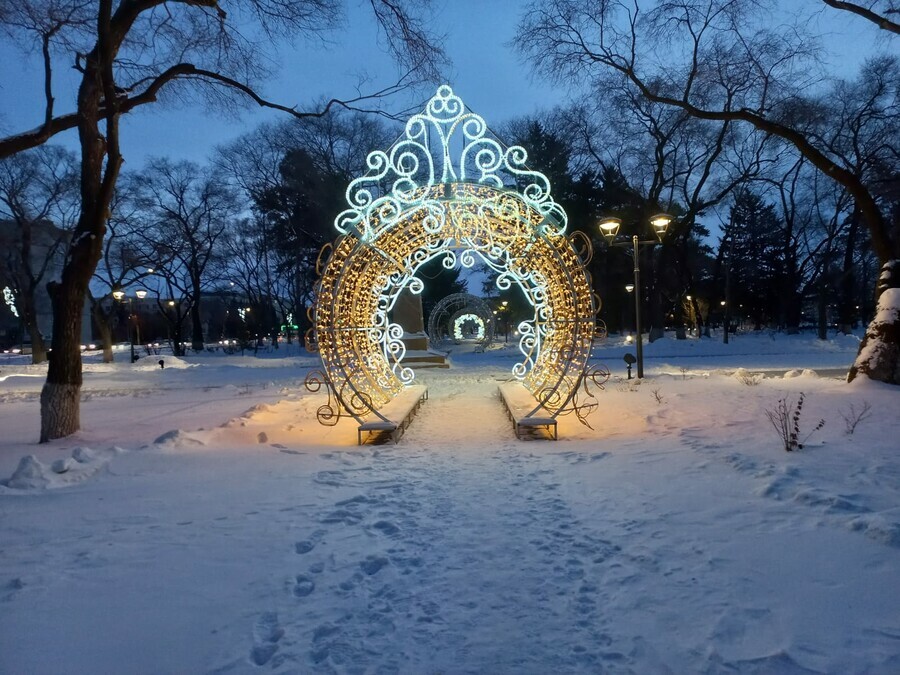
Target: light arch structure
{"points": [[462, 319], [441, 321], [449, 189]]}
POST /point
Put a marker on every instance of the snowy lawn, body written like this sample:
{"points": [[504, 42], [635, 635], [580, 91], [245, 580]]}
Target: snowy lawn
{"points": [[204, 522]]}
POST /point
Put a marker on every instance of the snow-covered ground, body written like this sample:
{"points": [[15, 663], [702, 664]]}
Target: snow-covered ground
{"points": [[204, 522]]}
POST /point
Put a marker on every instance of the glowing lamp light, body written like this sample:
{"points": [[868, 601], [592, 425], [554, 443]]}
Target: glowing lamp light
{"points": [[141, 294], [629, 287], [118, 294], [660, 223], [609, 227], [171, 303]]}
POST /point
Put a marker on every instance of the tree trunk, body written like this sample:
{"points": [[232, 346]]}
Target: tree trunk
{"points": [[656, 316], [104, 329], [678, 310], [177, 337], [100, 164], [822, 313], [792, 312], [196, 321], [38, 348], [29, 322], [846, 300], [879, 351], [61, 395]]}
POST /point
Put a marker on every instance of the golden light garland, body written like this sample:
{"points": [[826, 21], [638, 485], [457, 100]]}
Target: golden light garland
{"points": [[411, 208]]}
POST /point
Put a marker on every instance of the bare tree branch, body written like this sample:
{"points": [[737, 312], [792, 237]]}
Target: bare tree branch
{"points": [[879, 20]]}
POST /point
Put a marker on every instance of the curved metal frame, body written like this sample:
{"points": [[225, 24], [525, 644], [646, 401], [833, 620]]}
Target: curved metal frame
{"points": [[414, 205]]}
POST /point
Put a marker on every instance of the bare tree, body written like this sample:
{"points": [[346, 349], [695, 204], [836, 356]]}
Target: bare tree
{"points": [[38, 202], [131, 53], [127, 260], [717, 60], [679, 164], [188, 210], [273, 258]]}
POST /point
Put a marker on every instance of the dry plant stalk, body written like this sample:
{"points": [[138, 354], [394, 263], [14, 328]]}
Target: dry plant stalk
{"points": [[853, 416], [786, 420]]}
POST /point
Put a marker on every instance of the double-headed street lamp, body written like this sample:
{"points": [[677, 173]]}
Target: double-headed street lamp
{"points": [[119, 295], [609, 227]]}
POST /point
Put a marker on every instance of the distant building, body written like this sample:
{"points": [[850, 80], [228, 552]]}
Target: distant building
{"points": [[44, 236]]}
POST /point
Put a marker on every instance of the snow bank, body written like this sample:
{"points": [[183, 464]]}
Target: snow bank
{"points": [[32, 475], [179, 438], [152, 362]]}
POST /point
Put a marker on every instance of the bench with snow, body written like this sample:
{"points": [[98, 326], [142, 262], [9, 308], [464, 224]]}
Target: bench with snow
{"points": [[519, 404], [399, 412]]}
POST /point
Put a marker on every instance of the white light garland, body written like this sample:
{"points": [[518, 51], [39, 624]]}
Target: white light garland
{"points": [[448, 189], [10, 300], [460, 322]]}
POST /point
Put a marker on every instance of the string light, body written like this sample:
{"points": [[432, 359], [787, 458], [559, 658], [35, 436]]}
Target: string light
{"points": [[449, 190], [461, 320], [10, 299]]}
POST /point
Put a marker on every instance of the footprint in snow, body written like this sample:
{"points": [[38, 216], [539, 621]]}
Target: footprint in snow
{"points": [[266, 634], [304, 586], [386, 527], [321, 643], [373, 564], [303, 547]]}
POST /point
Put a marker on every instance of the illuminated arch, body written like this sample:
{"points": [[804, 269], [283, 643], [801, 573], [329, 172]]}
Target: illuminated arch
{"points": [[451, 190], [441, 319], [459, 322]]}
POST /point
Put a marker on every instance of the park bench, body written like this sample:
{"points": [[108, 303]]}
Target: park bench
{"points": [[399, 412], [520, 406]]}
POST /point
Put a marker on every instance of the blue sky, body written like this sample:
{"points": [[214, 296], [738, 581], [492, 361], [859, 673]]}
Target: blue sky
{"points": [[486, 73]]}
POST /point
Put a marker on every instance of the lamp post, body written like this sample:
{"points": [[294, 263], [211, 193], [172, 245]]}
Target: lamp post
{"points": [[726, 319], [119, 296], [140, 294], [629, 288], [609, 227]]}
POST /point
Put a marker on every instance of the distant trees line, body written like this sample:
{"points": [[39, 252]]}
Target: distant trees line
{"points": [[788, 248]]}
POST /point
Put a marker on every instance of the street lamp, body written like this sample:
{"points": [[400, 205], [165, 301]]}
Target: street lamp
{"points": [[119, 296], [609, 227], [140, 294]]}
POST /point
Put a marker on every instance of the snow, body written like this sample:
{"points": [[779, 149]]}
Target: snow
{"points": [[203, 521]]}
